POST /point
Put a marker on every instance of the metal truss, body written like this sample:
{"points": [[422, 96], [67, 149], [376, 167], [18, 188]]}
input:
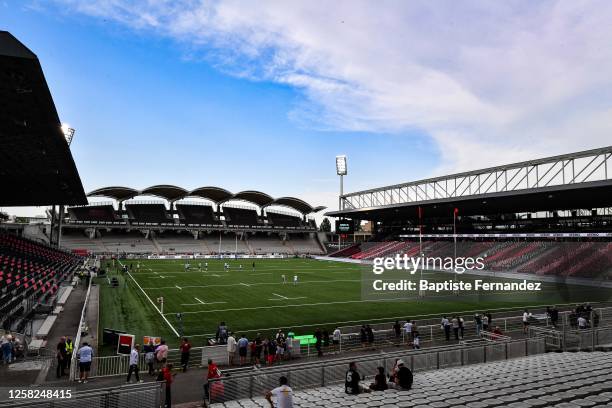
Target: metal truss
{"points": [[568, 169]]}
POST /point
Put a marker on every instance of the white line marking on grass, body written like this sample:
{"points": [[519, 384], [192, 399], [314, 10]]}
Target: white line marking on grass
{"points": [[207, 303], [260, 274], [281, 296], [199, 300], [214, 274], [293, 298], [256, 284], [154, 305], [179, 288], [298, 305]]}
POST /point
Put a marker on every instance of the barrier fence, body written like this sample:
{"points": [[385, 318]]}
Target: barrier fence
{"points": [[146, 395], [324, 373]]}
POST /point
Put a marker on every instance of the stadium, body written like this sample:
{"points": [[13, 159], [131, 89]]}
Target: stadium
{"points": [[504, 296]]}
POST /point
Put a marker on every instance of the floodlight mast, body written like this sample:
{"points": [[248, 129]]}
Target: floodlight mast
{"points": [[341, 170]]}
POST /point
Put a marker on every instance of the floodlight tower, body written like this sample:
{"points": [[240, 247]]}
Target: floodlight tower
{"points": [[341, 170]]}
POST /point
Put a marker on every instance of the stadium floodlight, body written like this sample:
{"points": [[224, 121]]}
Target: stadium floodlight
{"points": [[68, 132], [341, 169]]}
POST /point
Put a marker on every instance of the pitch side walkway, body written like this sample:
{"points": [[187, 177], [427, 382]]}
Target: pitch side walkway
{"points": [[67, 323]]}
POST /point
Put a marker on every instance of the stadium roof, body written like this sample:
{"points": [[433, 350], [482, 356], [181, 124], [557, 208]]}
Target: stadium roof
{"points": [[168, 192], [581, 180], [36, 166], [217, 195]]}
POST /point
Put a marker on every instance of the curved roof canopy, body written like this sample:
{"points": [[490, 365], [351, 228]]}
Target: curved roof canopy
{"points": [[295, 203], [169, 192], [256, 197], [118, 193], [215, 194]]}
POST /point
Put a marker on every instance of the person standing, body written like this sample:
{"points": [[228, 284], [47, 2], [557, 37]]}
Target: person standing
{"points": [[84, 354], [455, 323], [478, 324], [243, 343], [446, 326], [231, 348], [336, 336], [168, 377], [61, 358], [526, 316], [185, 349], [161, 353], [5, 344], [408, 330], [283, 395], [370, 334], [212, 373], [134, 364], [397, 330], [69, 350], [461, 327], [318, 342], [149, 350]]}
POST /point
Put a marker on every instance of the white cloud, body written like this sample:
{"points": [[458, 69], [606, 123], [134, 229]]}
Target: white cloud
{"points": [[490, 82]]}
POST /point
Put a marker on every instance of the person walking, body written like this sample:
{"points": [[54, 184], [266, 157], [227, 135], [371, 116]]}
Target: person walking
{"points": [[134, 364], [455, 324], [168, 377], [61, 358], [446, 326], [185, 349], [150, 357], [69, 350]]}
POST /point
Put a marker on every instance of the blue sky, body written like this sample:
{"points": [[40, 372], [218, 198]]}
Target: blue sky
{"points": [[215, 93]]}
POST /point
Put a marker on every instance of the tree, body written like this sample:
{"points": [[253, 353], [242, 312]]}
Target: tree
{"points": [[325, 225]]}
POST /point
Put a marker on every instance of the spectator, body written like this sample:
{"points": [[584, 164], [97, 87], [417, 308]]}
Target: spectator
{"points": [[397, 330], [553, 315], [363, 336], [461, 327], [271, 351], [222, 333], [408, 330], [5, 344], [485, 322], [280, 349], [258, 348], [497, 333], [84, 354], [212, 373], [526, 317], [283, 395], [318, 342], [351, 381], [168, 377], [380, 381], [325, 340], [231, 348], [336, 336], [279, 335], [185, 348], [149, 350], [416, 343], [583, 322], [403, 378], [134, 364], [61, 358], [370, 334], [446, 326], [490, 318], [243, 343], [478, 324], [455, 324], [161, 353]]}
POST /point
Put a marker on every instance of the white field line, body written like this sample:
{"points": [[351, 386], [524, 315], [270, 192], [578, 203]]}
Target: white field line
{"points": [[281, 296], [179, 288], [292, 298], [199, 300], [253, 284], [154, 305], [260, 274]]}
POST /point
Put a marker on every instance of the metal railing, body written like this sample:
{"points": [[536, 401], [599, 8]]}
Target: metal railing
{"points": [[108, 366], [134, 396], [255, 383]]}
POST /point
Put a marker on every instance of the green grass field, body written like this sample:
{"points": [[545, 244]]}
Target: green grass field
{"points": [[328, 294]]}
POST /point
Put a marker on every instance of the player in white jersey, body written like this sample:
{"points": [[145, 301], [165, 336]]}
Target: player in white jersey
{"points": [[284, 279], [295, 279]]}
